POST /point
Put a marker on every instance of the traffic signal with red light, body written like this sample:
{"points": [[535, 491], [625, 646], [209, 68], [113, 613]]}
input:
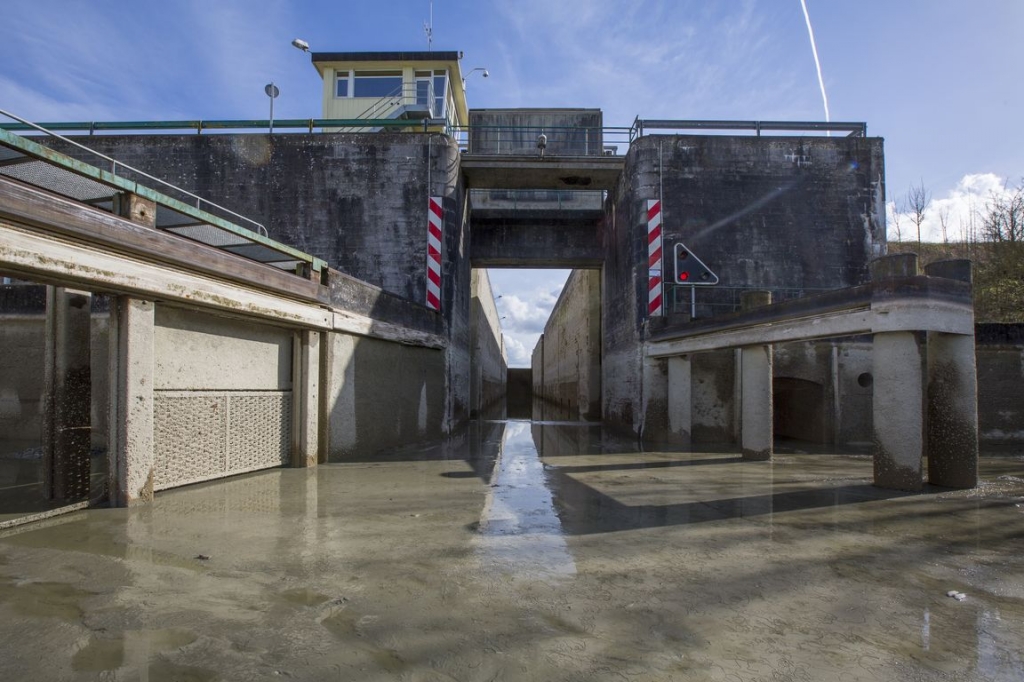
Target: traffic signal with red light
{"points": [[690, 269]]}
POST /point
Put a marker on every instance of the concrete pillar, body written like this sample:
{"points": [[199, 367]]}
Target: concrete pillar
{"points": [[130, 449], [680, 400], [893, 266], [756, 402], [952, 436], [68, 401], [897, 400], [306, 398]]}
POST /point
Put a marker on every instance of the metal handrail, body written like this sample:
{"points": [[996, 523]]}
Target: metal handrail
{"points": [[607, 139], [307, 124], [114, 163], [854, 129], [402, 93]]}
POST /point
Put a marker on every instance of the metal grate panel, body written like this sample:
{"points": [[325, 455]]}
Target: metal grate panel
{"points": [[202, 435]]}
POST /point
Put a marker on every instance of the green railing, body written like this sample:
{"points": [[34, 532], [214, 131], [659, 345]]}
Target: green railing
{"points": [[852, 129], [303, 124], [118, 180]]}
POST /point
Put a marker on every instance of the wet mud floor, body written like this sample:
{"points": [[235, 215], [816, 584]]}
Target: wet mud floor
{"points": [[528, 552]]}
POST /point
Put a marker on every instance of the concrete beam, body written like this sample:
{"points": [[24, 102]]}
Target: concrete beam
{"points": [[48, 258], [489, 171], [511, 244], [915, 303]]}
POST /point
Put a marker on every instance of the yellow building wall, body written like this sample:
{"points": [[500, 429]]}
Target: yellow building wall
{"points": [[357, 107]]}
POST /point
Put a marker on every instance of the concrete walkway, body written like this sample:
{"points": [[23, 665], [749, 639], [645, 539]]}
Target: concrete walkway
{"points": [[483, 560]]}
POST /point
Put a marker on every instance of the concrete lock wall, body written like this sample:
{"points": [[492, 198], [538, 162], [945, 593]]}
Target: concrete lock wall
{"points": [[382, 394], [790, 214], [357, 200], [222, 396], [1000, 358], [489, 364], [567, 371]]}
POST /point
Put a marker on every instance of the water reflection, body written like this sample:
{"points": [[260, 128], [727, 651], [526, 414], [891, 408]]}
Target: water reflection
{"points": [[519, 528], [53, 399]]}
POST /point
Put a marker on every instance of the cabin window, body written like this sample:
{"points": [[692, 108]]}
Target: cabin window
{"points": [[377, 83]]}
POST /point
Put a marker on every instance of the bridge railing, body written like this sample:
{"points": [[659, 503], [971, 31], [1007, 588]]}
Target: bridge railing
{"points": [[305, 125], [723, 300], [542, 140], [641, 127]]}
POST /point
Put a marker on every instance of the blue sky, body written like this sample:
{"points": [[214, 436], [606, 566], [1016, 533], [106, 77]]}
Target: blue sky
{"points": [[938, 79]]}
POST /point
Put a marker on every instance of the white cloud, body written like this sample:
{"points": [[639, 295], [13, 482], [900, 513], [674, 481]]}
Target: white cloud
{"points": [[519, 348], [962, 210]]}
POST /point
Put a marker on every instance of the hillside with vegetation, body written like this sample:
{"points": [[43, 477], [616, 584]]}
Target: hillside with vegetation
{"points": [[996, 248]]}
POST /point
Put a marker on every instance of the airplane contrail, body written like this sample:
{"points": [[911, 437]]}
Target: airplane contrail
{"points": [[817, 62]]}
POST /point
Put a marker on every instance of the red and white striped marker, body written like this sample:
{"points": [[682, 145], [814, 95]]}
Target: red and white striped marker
{"points": [[435, 224], [654, 259]]}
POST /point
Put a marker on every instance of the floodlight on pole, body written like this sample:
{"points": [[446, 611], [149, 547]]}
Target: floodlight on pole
{"points": [[486, 74]]}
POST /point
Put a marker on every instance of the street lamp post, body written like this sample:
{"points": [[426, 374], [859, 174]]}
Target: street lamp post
{"points": [[272, 92]]}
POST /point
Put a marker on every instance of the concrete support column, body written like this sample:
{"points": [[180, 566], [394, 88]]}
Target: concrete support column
{"points": [[952, 439], [897, 399], [756, 402], [68, 400], [306, 398], [680, 400], [130, 450]]}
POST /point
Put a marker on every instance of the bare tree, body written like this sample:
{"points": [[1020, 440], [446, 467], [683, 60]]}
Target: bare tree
{"points": [[944, 224], [917, 201], [896, 210], [1005, 219]]}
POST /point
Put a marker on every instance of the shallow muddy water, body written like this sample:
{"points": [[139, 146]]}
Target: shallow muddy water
{"points": [[529, 551]]}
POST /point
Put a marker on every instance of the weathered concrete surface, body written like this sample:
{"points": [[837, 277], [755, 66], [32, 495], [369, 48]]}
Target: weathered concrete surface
{"points": [[514, 132], [804, 398], [952, 403], [489, 366], [756, 436], [131, 370], [595, 562], [680, 400], [555, 239], [568, 375], [1000, 357], [381, 394], [898, 411], [778, 213], [519, 393], [359, 201]]}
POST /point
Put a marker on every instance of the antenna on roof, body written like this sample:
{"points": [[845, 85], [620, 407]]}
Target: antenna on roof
{"points": [[428, 28]]}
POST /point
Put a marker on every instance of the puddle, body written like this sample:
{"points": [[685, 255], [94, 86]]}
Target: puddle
{"points": [[304, 597], [43, 599]]}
